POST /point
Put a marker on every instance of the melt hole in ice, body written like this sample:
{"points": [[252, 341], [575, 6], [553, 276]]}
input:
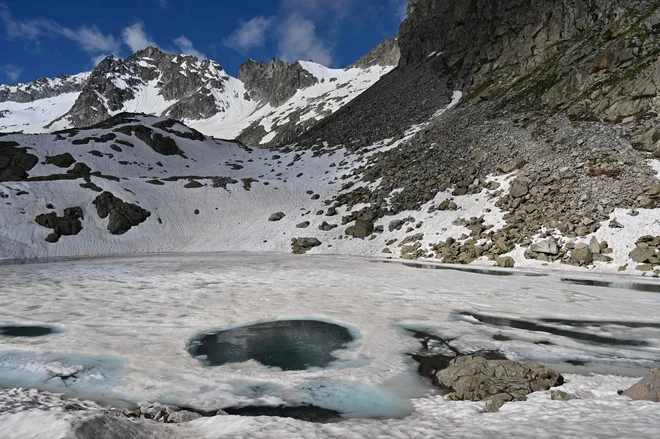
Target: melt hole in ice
{"points": [[284, 344], [25, 331]]}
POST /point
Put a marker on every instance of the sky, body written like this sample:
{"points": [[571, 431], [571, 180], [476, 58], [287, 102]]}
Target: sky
{"points": [[47, 38]]}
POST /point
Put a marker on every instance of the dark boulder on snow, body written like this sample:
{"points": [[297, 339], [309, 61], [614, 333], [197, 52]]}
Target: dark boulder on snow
{"points": [[363, 227], [303, 245], [61, 160], [472, 378], [122, 215], [276, 216], [15, 162], [66, 225]]}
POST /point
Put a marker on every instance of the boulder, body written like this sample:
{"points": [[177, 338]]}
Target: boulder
{"points": [[581, 256], [547, 247], [276, 216], [122, 215], [473, 378], [363, 227], [511, 165], [505, 262], [302, 245], [648, 389], [642, 254], [519, 189]]}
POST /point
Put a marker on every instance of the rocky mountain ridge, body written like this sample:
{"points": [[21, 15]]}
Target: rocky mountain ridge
{"points": [[198, 92], [43, 88]]}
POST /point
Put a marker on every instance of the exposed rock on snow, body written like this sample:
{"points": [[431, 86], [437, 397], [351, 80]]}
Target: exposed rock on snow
{"points": [[61, 160], [303, 245], [15, 162], [476, 378], [276, 216], [648, 389], [66, 225], [122, 215]]}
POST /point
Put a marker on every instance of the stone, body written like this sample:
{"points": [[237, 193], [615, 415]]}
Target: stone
{"points": [[594, 245], [505, 262], [547, 247], [614, 224], [648, 389], [302, 225], [519, 189], [474, 378], [277, 216], [363, 227], [642, 254], [182, 416], [327, 227], [581, 256], [511, 165], [560, 395], [303, 245]]}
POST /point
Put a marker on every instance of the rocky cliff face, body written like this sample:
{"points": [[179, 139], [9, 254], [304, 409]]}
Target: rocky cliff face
{"points": [[181, 86], [593, 59], [275, 82], [563, 93], [43, 88], [387, 53]]}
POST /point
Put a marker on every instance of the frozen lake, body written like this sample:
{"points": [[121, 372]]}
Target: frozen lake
{"points": [[122, 328]]}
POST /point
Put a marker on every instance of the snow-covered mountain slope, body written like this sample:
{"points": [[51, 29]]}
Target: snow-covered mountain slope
{"points": [[43, 88], [266, 123], [30, 107], [139, 184], [269, 101]]}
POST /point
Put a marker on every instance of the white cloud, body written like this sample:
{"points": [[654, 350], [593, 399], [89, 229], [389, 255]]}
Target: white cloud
{"points": [[249, 34], [186, 47], [90, 39], [163, 3], [136, 38], [12, 72], [298, 41]]}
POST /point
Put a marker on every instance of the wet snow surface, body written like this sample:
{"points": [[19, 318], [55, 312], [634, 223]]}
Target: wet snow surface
{"points": [[127, 322]]}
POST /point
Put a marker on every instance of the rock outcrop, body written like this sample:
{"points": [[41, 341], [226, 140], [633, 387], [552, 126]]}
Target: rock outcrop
{"points": [[123, 215], [472, 378], [274, 83], [387, 53], [43, 88], [66, 225]]}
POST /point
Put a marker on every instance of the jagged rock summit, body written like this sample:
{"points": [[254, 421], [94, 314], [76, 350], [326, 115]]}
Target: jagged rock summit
{"points": [[268, 103]]}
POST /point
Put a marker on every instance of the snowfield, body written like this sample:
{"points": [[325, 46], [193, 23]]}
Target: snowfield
{"points": [[125, 323]]}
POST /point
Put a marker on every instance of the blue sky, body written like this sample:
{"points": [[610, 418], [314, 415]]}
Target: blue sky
{"points": [[46, 38]]}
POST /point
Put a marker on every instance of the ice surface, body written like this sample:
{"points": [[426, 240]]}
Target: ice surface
{"points": [[128, 321]]}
